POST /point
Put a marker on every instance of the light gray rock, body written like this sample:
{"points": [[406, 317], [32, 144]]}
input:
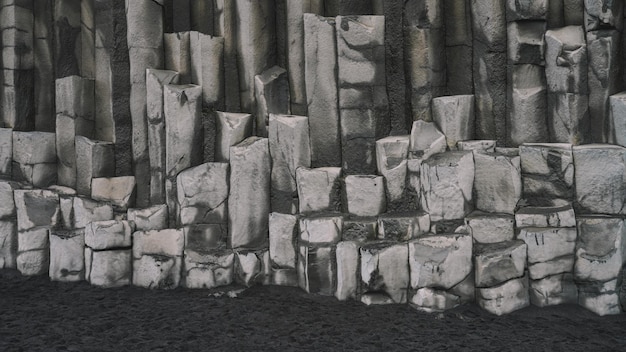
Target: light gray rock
{"points": [[364, 195], [505, 298], [153, 218], [34, 158], [547, 244], [497, 182], [177, 55], [490, 227], [232, 128], [599, 173], [547, 171], [449, 226], [87, 39], [119, 191], [600, 298], [7, 202], [249, 198], [527, 10], [207, 67], [317, 269], [547, 216], [527, 104], [568, 117], [321, 229], [110, 268], [109, 234], [33, 252], [6, 151], [208, 270], [359, 229], [157, 258], [447, 181], [566, 60], [391, 162], [440, 261], [403, 226], [318, 189], [347, 270], [77, 212], [540, 270], [601, 248], [8, 244], [283, 249], [525, 42], [320, 77], [553, 290], [203, 194], [155, 82], [432, 300], [36, 209], [289, 148], [384, 271], [272, 97], [602, 14], [617, 119], [454, 115], [252, 267], [67, 255], [487, 146], [495, 263], [93, 159], [426, 140]]}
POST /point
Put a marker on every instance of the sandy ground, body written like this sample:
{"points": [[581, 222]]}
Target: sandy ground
{"points": [[39, 315]]}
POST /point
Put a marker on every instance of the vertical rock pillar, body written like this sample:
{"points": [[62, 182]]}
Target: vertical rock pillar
{"points": [[224, 25], [44, 65], [458, 25]]}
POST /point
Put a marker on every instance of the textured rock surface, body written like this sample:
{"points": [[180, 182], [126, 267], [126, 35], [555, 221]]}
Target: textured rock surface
{"points": [[272, 97], [153, 218], [157, 258], [318, 189], [283, 250], [67, 255], [505, 298], [496, 263], [119, 191], [440, 261], [385, 274], [497, 182], [454, 115], [203, 194], [489, 227], [364, 195], [391, 162]]}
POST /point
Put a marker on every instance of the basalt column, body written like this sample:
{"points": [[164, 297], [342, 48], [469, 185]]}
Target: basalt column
{"points": [[44, 65], [458, 25]]}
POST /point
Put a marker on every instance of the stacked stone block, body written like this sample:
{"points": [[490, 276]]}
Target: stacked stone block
{"points": [[34, 158], [108, 253]]}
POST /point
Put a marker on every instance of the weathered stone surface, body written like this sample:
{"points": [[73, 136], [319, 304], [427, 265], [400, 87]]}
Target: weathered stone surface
{"points": [[497, 182], [205, 238], [249, 198], [553, 290], [431, 300], [458, 30], [527, 10], [573, 12], [426, 140], [208, 270], [454, 115], [548, 245], [391, 162], [603, 14], [363, 101], [153, 218], [317, 269], [617, 119], [555, 15], [495, 263], [320, 73], [600, 298], [364, 195], [272, 97], [203, 194], [487, 146], [119, 191], [7, 202], [289, 148], [527, 105], [403, 226], [347, 270], [93, 159], [177, 55], [321, 229], [599, 172], [440, 261], [525, 42], [318, 189], [8, 244], [232, 128], [33, 251], [110, 268], [449, 226], [546, 216], [359, 229], [43, 64], [568, 117], [283, 250], [490, 227], [109, 234], [252, 267], [6, 151], [385, 272], [157, 258], [67, 255], [77, 212], [207, 67], [601, 248], [34, 158], [547, 171], [506, 298], [36, 209], [447, 181]]}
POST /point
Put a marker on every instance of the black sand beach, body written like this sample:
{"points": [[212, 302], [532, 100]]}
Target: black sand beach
{"points": [[39, 315]]}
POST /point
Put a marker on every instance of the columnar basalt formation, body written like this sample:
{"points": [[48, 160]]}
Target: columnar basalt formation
{"points": [[429, 153]]}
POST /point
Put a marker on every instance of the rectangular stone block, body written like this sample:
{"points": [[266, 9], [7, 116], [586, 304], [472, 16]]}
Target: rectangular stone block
{"points": [[603, 14], [526, 43], [36, 209], [205, 238], [289, 144], [77, 212], [157, 258], [153, 218], [527, 9], [527, 104], [454, 115], [93, 159], [249, 198], [490, 227], [34, 158], [497, 182], [505, 298], [232, 128], [18, 99], [109, 234], [600, 298], [550, 250], [110, 268], [203, 194], [283, 249], [547, 171], [496, 263], [617, 119], [364, 195], [458, 31], [566, 60], [560, 215], [318, 189], [317, 269], [568, 118], [119, 191], [272, 97], [6, 151], [8, 244], [601, 248], [391, 161], [33, 252], [348, 272], [490, 77], [224, 25], [207, 66], [202, 270], [488, 146], [385, 272], [252, 267], [67, 255]]}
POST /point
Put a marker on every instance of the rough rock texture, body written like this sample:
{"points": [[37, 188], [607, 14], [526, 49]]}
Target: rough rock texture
{"points": [[391, 161], [283, 249], [458, 29], [157, 258], [550, 250], [496, 263], [546, 216], [547, 171], [119, 191], [203, 195], [272, 97], [93, 159], [232, 128], [440, 261], [505, 298], [454, 115], [364, 195], [403, 226], [497, 182], [34, 158], [153, 218], [490, 227], [67, 255], [384, 273], [318, 189]]}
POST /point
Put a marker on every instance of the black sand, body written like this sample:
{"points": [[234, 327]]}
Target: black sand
{"points": [[39, 315]]}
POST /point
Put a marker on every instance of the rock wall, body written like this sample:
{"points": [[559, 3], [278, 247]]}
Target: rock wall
{"points": [[430, 153]]}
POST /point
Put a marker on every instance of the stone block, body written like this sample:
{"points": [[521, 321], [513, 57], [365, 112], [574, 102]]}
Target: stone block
{"points": [[252, 267], [205, 238], [495, 263], [33, 251], [232, 128], [553, 290], [318, 189], [600, 298], [8, 244], [110, 268], [36, 209], [283, 250], [203, 194], [93, 159], [359, 229], [272, 97], [391, 161], [447, 181], [119, 191], [505, 298], [440, 261], [454, 115], [517, 10], [321, 229], [289, 148], [317, 269], [573, 12], [34, 158], [497, 182], [527, 103], [486, 146], [546, 216], [348, 262], [617, 119], [384, 272], [177, 55], [67, 255], [426, 140], [449, 226], [153, 218], [364, 195], [249, 198], [568, 117], [202, 270], [566, 60], [207, 66], [403, 226], [490, 227], [547, 171], [603, 14], [7, 201], [550, 250], [109, 234], [525, 42], [599, 172], [601, 248], [432, 300], [77, 212], [6, 151], [157, 258], [490, 78]]}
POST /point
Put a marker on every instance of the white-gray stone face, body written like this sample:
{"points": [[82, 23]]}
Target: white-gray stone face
{"points": [[600, 298], [447, 181], [109, 234], [348, 262], [365, 195], [553, 290], [547, 216], [34, 158], [426, 140], [110, 268], [454, 115], [391, 161], [33, 251], [547, 171], [517, 10], [252, 267], [527, 104], [495, 263], [232, 128], [525, 42], [321, 229], [505, 298], [497, 182], [283, 249], [617, 119], [36, 209], [440, 261], [601, 248], [203, 194], [600, 171], [432, 300], [486, 146], [119, 191], [318, 189], [207, 67], [157, 258], [153, 218], [208, 270], [93, 159], [384, 271], [490, 228], [550, 250], [603, 14], [272, 97], [177, 55], [249, 198], [403, 226], [6, 151], [67, 255], [77, 212]]}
